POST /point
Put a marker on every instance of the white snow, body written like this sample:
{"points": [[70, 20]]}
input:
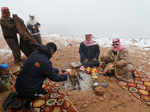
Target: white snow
{"points": [[104, 41]]}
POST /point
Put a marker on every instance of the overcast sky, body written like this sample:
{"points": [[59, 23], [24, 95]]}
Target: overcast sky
{"points": [[75, 17]]}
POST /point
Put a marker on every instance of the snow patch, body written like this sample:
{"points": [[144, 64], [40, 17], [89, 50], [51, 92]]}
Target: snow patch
{"points": [[104, 41]]}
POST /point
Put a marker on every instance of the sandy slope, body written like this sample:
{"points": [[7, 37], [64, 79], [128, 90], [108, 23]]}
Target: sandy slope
{"points": [[116, 99]]}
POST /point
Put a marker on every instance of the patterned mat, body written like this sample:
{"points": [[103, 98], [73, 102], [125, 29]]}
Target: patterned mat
{"points": [[139, 87], [55, 101]]}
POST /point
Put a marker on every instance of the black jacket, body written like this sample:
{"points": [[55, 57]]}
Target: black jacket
{"points": [[88, 52], [31, 78]]}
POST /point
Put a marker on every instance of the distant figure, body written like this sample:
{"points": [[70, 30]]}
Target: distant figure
{"points": [[118, 63], [10, 33], [11, 26], [33, 27], [89, 52]]}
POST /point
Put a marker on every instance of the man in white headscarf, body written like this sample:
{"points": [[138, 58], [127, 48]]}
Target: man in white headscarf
{"points": [[33, 27]]}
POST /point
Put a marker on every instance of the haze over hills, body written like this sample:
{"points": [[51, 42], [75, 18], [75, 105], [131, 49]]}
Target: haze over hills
{"points": [[77, 17]]}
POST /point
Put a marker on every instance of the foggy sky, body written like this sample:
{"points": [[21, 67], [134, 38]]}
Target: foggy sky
{"points": [[75, 17]]}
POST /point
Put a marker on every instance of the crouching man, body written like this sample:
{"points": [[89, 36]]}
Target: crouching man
{"points": [[89, 52], [29, 83], [118, 63]]}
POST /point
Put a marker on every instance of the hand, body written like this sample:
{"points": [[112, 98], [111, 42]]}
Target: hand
{"points": [[60, 72], [94, 59], [86, 60], [66, 73]]}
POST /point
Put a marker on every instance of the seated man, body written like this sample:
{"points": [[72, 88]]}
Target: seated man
{"points": [[117, 62], [89, 52]]}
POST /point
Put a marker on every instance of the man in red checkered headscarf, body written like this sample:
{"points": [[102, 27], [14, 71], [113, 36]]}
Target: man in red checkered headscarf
{"points": [[10, 27], [5, 12], [117, 62], [10, 33]]}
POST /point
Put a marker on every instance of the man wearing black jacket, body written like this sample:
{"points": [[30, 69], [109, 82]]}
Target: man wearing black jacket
{"points": [[36, 69], [89, 52]]}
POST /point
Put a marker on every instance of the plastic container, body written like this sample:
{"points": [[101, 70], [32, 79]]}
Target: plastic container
{"points": [[4, 69], [3, 66]]}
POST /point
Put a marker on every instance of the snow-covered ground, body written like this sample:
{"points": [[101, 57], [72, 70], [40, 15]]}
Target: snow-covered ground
{"points": [[138, 42], [104, 41]]}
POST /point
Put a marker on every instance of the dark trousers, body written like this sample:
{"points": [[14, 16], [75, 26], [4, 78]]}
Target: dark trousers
{"points": [[14, 46], [90, 63]]}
